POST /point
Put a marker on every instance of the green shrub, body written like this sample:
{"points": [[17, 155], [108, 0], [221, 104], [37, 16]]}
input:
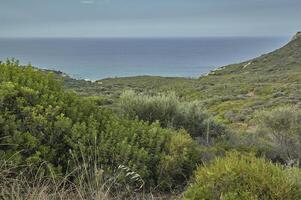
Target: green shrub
{"points": [[170, 112], [279, 133], [245, 177], [42, 123], [162, 107]]}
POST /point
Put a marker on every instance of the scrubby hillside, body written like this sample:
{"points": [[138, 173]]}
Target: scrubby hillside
{"points": [[103, 141], [234, 92], [231, 93], [54, 131]]}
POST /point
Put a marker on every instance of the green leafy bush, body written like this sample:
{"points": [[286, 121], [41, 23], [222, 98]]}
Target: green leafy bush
{"points": [[170, 112], [42, 123], [245, 177]]}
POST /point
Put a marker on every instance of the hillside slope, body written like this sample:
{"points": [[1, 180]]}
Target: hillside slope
{"points": [[232, 93], [40, 123]]}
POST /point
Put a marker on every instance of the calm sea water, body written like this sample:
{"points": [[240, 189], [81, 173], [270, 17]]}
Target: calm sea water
{"points": [[103, 57]]}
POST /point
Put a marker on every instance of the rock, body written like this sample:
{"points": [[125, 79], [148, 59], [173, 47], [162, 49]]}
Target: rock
{"points": [[297, 35]]}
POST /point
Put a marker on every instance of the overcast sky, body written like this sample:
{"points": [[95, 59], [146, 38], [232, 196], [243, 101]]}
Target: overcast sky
{"points": [[149, 18]]}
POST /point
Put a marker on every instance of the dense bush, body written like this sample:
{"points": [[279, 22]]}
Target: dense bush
{"points": [[150, 108], [170, 112], [245, 177], [42, 123], [279, 133]]}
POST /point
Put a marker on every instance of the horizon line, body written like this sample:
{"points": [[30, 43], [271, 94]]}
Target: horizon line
{"points": [[142, 37]]}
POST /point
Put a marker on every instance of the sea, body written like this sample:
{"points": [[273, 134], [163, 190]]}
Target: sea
{"points": [[98, 58]]}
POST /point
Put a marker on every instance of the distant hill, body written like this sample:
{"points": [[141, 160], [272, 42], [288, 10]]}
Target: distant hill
{"points": [[287, 58], [232, 93]]}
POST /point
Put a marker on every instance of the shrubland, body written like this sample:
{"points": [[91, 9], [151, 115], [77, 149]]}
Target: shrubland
{"points": [[170, 112], [279, 134], [41, 123], [143, 137], [232, 94], [244, 177]]}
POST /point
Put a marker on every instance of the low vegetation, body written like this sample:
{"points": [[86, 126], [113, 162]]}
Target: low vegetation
{"points": [[278, 134], [232, 94], [236, 129], [244, 177], [170, 112], [42, 123]]}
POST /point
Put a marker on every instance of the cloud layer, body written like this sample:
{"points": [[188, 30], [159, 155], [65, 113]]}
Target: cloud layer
{"points": [[147, 18]]}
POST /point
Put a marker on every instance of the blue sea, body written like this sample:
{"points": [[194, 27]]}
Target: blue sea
{"points": [[96, 58]]}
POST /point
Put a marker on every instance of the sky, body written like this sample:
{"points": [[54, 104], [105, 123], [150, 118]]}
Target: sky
{"points": [[149, 18]]}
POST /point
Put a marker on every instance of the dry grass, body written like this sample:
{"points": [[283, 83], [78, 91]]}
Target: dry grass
{"points": [[19, 190], [18, 183]]}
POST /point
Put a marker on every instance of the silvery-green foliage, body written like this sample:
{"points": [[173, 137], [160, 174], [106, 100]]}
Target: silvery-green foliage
{"points": [[280, 129], [170, 112]]}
